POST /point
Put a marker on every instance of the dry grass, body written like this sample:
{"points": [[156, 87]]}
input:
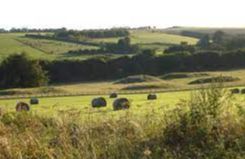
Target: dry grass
{"points": [[209, 125]]}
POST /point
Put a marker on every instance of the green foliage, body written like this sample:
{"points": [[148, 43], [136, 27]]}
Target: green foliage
{"points": [[19, 71], [204, 42], [123, 46], [218, 37]]}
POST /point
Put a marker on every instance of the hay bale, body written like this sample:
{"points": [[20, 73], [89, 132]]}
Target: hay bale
{"points": [[113, 95], [151, 97], [99, 102], [22, 106], [121, 103], [34, 101], [1, 112], [235, 91], [243, 91]]}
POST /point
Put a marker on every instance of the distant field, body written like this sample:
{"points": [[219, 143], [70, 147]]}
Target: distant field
{"points": [[52, 46], [9, 45], [38, 49], [150, 39], [230, 31]]}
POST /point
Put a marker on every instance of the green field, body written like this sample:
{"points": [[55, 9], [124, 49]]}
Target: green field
{"points": [[52, 49], [151, 39], [38, 48], [204, 30], [55, 105], [9, 45]]}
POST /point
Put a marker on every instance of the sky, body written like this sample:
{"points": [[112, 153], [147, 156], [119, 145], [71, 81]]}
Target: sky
{"points": [[92, 14]]}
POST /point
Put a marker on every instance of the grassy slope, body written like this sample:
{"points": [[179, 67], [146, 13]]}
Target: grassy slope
{"points": [[38, 49], [150, 39], [146, 37], [52, 46], [9, 45], [231, 31]]}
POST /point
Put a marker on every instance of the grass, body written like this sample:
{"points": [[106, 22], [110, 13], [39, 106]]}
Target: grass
{"points": [[150, 39], [205, 30], [168, 82], [54, 47], [39, 49], [207, 124], [9, 45], [51, 49], [54, 105]]}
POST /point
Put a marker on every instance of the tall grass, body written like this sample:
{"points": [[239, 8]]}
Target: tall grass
{"points": [[209, 125]]}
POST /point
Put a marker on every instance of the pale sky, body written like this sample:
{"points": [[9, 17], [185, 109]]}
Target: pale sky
{"points": [[84, 14]]}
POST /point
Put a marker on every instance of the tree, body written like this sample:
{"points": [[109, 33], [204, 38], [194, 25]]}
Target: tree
{"points": [[124, 43], [19, 71], [218, 37], [204, 42]]}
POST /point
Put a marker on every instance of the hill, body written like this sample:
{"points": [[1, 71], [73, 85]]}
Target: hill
{"points": [[38, 48], [150, 39], [190, 31]]}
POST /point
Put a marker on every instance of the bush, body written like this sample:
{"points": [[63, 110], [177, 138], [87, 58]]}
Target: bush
{"points": [[202, 130], [214, 79], [19, 71]]}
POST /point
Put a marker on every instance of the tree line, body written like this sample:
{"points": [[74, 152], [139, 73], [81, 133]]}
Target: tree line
{"points": [[20, 71], [100, 33]]}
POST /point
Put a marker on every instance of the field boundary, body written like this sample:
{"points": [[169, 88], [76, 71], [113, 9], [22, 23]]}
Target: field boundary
{"points": [[104, 93]]}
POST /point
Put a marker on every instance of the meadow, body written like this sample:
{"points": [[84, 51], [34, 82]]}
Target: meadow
{"points": [[53, 49], [54, 105], [203, 124]]}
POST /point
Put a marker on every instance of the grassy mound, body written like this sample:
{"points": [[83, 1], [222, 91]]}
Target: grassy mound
{"points": [[41, 90], [170, 76], [161, 85], [138, 79], [215, 80]]}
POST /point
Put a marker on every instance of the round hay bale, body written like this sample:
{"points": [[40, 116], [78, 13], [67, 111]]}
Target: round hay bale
{"points": [[121, 103], [99, 102], [1, 112], [22, 106], [34, 101], [235, 91], [152, 97], [113, 95], [243, 91]]}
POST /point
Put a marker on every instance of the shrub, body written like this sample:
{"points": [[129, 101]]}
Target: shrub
{"points": [[19, 71], [214, 79]]}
